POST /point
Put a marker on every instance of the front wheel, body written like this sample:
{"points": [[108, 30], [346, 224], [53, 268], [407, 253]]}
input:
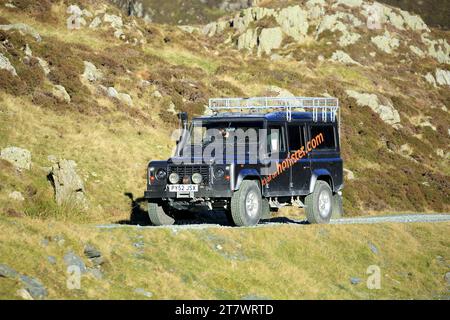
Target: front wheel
{"points": [[160, 215], [319, 204], [246, 204]]}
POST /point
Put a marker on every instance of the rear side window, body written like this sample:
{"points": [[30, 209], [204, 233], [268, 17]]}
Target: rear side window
{"points": [[329, 139], [295, 134]]}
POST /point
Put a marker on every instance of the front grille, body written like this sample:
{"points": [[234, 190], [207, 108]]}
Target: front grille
{"points": [[189, 170]]}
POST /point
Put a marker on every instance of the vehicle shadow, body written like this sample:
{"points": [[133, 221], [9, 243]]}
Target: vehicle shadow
{"points": [[283, 220], [139, 216]]}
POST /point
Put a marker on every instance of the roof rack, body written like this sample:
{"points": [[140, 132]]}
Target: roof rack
{"points": [[328, 108]]}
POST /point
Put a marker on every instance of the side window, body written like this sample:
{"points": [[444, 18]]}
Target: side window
{"points": [[276, 139], [296, 137], [325, 137]]}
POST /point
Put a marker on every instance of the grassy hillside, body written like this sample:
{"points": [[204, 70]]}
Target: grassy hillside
{"points": [[311, 262], [112, 142]]}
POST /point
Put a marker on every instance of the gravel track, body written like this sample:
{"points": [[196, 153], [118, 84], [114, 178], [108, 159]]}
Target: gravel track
{"points": [[218, 222]]}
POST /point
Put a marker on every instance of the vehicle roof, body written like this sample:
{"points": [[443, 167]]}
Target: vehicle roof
{"points": [[273, 116]]}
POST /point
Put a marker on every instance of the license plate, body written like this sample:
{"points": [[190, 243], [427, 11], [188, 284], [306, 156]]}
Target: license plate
{"points": [[183, 188]]}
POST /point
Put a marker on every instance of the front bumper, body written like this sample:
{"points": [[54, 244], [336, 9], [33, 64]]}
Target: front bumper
{"points": [[156, 192]]}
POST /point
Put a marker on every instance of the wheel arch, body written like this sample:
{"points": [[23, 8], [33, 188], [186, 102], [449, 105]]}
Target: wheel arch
{"points": [[321, 175], [247, 174]]}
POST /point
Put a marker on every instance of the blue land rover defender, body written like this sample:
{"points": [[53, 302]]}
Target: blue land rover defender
{"points": [[250, 157]]}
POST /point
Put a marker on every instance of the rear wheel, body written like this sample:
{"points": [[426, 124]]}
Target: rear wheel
{"points": [[160, 215], [246, 204], [319, 204]]}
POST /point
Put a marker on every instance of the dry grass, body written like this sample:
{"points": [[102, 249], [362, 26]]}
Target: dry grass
{"points": [[111, 159], [311, 262]]}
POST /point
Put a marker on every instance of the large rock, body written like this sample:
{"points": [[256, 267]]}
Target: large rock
{"points": [[414, 22], [71, 259], [430, 79], [438, 49], [443, 77], [23, 29], [44, 65], [96, 22], [386, 111], [248, 40], [394, 19], [417, 51], [5, 64], [349, 38], [294, 22], [386, 42], [69, 187], [125, 98], [342, 57], [34, 287], [91, 73], [60, 93], [8, 272], [20, 158], [115, 21], [269, 39]]}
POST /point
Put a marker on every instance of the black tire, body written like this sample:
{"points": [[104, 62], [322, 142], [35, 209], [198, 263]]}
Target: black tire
{"points": [[314, 214], [338, 208], [160, 215], [265, 209], [242, 214]]}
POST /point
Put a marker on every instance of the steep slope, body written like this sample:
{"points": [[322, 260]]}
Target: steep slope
{"points": [[180, 11], [434, 12], [105, 95]]}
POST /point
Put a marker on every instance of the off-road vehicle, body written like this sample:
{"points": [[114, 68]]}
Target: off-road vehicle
{"points": [[297, 162]]}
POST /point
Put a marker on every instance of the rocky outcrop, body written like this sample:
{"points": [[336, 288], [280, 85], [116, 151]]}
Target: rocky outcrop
{"points": [[293, 21], [430, 79], [438, 49], [23, 29], [342, 57], [69, 187], [248, 40], [20, 158], [349, 39], [386, 42], [443, 77], [5, 64], [386, 111], [269, 39], [33, 288]]}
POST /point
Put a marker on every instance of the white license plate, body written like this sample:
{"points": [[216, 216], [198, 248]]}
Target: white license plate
{"points": [[183, 187]]}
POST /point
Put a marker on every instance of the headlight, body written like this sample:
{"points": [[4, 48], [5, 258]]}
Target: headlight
{"points": [[161, 174], [197, 178], [219, 173], [174, 178]]}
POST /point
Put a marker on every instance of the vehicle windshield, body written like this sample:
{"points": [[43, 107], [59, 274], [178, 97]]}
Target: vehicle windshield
{"points": [[219, 138]]}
